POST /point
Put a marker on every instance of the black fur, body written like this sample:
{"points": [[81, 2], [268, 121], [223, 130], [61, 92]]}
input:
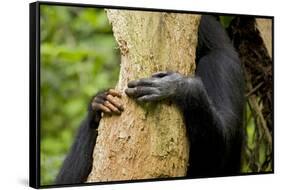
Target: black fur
{"points": [[78, 163], [212, 103]]}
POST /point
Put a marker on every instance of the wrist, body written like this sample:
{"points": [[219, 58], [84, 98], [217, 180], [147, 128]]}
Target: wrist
{"points": [[181, 87], [93, 115]]}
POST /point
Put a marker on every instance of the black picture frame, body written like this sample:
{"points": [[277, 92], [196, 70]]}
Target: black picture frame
{"points": [[34, 82]]}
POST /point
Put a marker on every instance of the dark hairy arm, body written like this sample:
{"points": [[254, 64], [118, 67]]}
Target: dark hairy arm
{"points": [[78, 163]]}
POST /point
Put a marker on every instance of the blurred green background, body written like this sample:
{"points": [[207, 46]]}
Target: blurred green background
{"points": [[79, 57]]}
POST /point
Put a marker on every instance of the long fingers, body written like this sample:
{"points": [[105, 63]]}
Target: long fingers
{"points": [[139, 91], [114, 92], [101, 107], [108, 102], [149, 98], [112, 108], [115, 101], [142, 82]]}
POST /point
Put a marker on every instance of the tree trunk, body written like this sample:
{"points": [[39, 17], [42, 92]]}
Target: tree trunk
{"points": [[265, 27], [147, 140]]}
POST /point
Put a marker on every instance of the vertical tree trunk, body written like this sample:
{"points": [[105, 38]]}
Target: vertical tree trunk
{"points": [[265, 27], [147, 140]]}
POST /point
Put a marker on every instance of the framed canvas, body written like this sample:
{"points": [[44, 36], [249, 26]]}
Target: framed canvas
{"points": [[120, 94]]}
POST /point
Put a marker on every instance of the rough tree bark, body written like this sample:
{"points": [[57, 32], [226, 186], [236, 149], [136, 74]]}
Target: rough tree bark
{"points": [[265, 28], [147, 140]]}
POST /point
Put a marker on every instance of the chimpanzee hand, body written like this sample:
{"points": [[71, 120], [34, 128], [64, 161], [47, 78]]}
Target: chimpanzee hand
{"points": [[108, 102], [162, 85]]}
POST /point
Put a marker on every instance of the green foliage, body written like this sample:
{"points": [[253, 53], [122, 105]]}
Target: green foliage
{"points": [[226, 20], [256, 157], [78, 58]]}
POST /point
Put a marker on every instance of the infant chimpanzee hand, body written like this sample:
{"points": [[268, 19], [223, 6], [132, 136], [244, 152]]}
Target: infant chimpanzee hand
{"points": [[107, 102]]}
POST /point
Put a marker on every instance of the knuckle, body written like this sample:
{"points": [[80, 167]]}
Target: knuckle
{"points": [[109, 96]]}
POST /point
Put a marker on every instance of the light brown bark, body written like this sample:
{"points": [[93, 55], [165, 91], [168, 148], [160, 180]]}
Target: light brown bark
{"points": [[265, 28], [147, 140]]}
